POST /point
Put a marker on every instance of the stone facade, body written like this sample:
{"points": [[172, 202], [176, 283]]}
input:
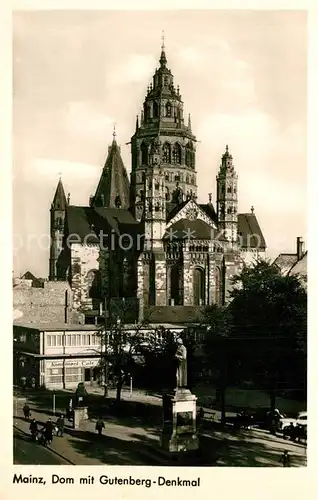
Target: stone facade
{"points": [[52, 303], [183, 253]]}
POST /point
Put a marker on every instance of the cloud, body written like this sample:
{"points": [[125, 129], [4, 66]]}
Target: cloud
{"points": [[81, 118], [134, 68]]}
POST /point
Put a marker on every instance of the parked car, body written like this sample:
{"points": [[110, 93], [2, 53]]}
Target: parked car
{"points": [[263, 417], [301, 419]]}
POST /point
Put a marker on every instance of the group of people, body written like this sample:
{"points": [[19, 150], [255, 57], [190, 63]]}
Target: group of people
{"points": [[45, 435]]}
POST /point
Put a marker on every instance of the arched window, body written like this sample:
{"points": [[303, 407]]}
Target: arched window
{"points": [[166, 158], [143, 177], [229, 210], [141, 195], [157, 186], [198, 286], [167, 194], [176, 153], [144, 154], [146, 112], [176, 284], [187, 179], [167, 176], [189, 155], [229, 189], [155, 110], [168, 109]]}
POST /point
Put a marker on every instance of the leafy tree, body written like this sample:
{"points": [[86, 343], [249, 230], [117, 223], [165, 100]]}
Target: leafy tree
{"points": [[122, 347], [216, 329], [269, 315]]}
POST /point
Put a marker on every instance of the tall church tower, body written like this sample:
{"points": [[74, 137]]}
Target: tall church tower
{"points": [[162, 137], [227, 197], [58, 213]]}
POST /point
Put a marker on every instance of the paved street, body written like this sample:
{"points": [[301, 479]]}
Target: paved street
{"points": [[125, 436], [26, 452]]}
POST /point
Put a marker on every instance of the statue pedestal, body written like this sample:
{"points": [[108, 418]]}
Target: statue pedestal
{"points": [[80, 414], [179, 422]]}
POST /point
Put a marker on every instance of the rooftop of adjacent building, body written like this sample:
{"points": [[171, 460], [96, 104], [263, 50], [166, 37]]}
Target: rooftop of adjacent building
{"points": [[293, 262], [61, 327]]}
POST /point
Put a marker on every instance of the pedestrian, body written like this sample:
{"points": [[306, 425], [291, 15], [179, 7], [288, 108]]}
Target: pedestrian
{"points": [[60, 425], [34, 429], [285, 459], [200, 417], [48, 431], [99, 426], [23, 383], [69, 409], [26, 411]]}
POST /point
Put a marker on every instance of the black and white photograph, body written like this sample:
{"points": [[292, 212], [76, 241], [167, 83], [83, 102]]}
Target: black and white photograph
{"points": [[160, 236]]}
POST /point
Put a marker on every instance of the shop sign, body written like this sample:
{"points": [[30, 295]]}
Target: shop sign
{"points": [[75, 363]]}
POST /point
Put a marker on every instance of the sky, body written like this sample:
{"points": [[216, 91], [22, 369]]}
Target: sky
{"points": [[242, 76]]}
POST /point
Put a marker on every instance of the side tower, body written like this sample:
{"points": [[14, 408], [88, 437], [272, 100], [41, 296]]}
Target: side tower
{"points": [[227, 198], [162, 133], [57, 223], [152, 271]]}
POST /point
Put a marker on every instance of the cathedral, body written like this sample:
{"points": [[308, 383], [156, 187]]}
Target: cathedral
{"points": [[145, 244]]}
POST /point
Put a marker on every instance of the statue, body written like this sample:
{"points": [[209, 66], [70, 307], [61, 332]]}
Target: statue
{"points": [[181, 356]]}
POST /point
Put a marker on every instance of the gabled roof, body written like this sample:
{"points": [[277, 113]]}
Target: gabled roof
{"points": [[209, 210], [59, 200], [173, 208], [285, 262], [113, 187], [300, 267], [87, 222], [249, 232]]}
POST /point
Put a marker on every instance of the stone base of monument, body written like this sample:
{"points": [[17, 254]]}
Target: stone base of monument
{"points": [[80, 413], [179, 434]]}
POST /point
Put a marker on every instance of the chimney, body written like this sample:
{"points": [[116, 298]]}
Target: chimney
{"points": [[300, 248]]}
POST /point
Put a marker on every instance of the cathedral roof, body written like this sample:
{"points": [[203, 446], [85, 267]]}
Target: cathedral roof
{"points": [[87, 222], [249, 231], [209, 210], [113, 187], [59, 200]]}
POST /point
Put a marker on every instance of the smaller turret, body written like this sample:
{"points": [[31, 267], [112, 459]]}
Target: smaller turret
{"points": [[227, 201], [58, 215]]}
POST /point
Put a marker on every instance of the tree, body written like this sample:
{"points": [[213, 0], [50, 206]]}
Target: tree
{"points": [[216, 328], [126, 346], [269, 315]]}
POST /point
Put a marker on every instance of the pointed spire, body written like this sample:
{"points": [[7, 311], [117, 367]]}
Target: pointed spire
{"points": [[59, 200], [113, 184], [163, 59], [137, 123]]}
